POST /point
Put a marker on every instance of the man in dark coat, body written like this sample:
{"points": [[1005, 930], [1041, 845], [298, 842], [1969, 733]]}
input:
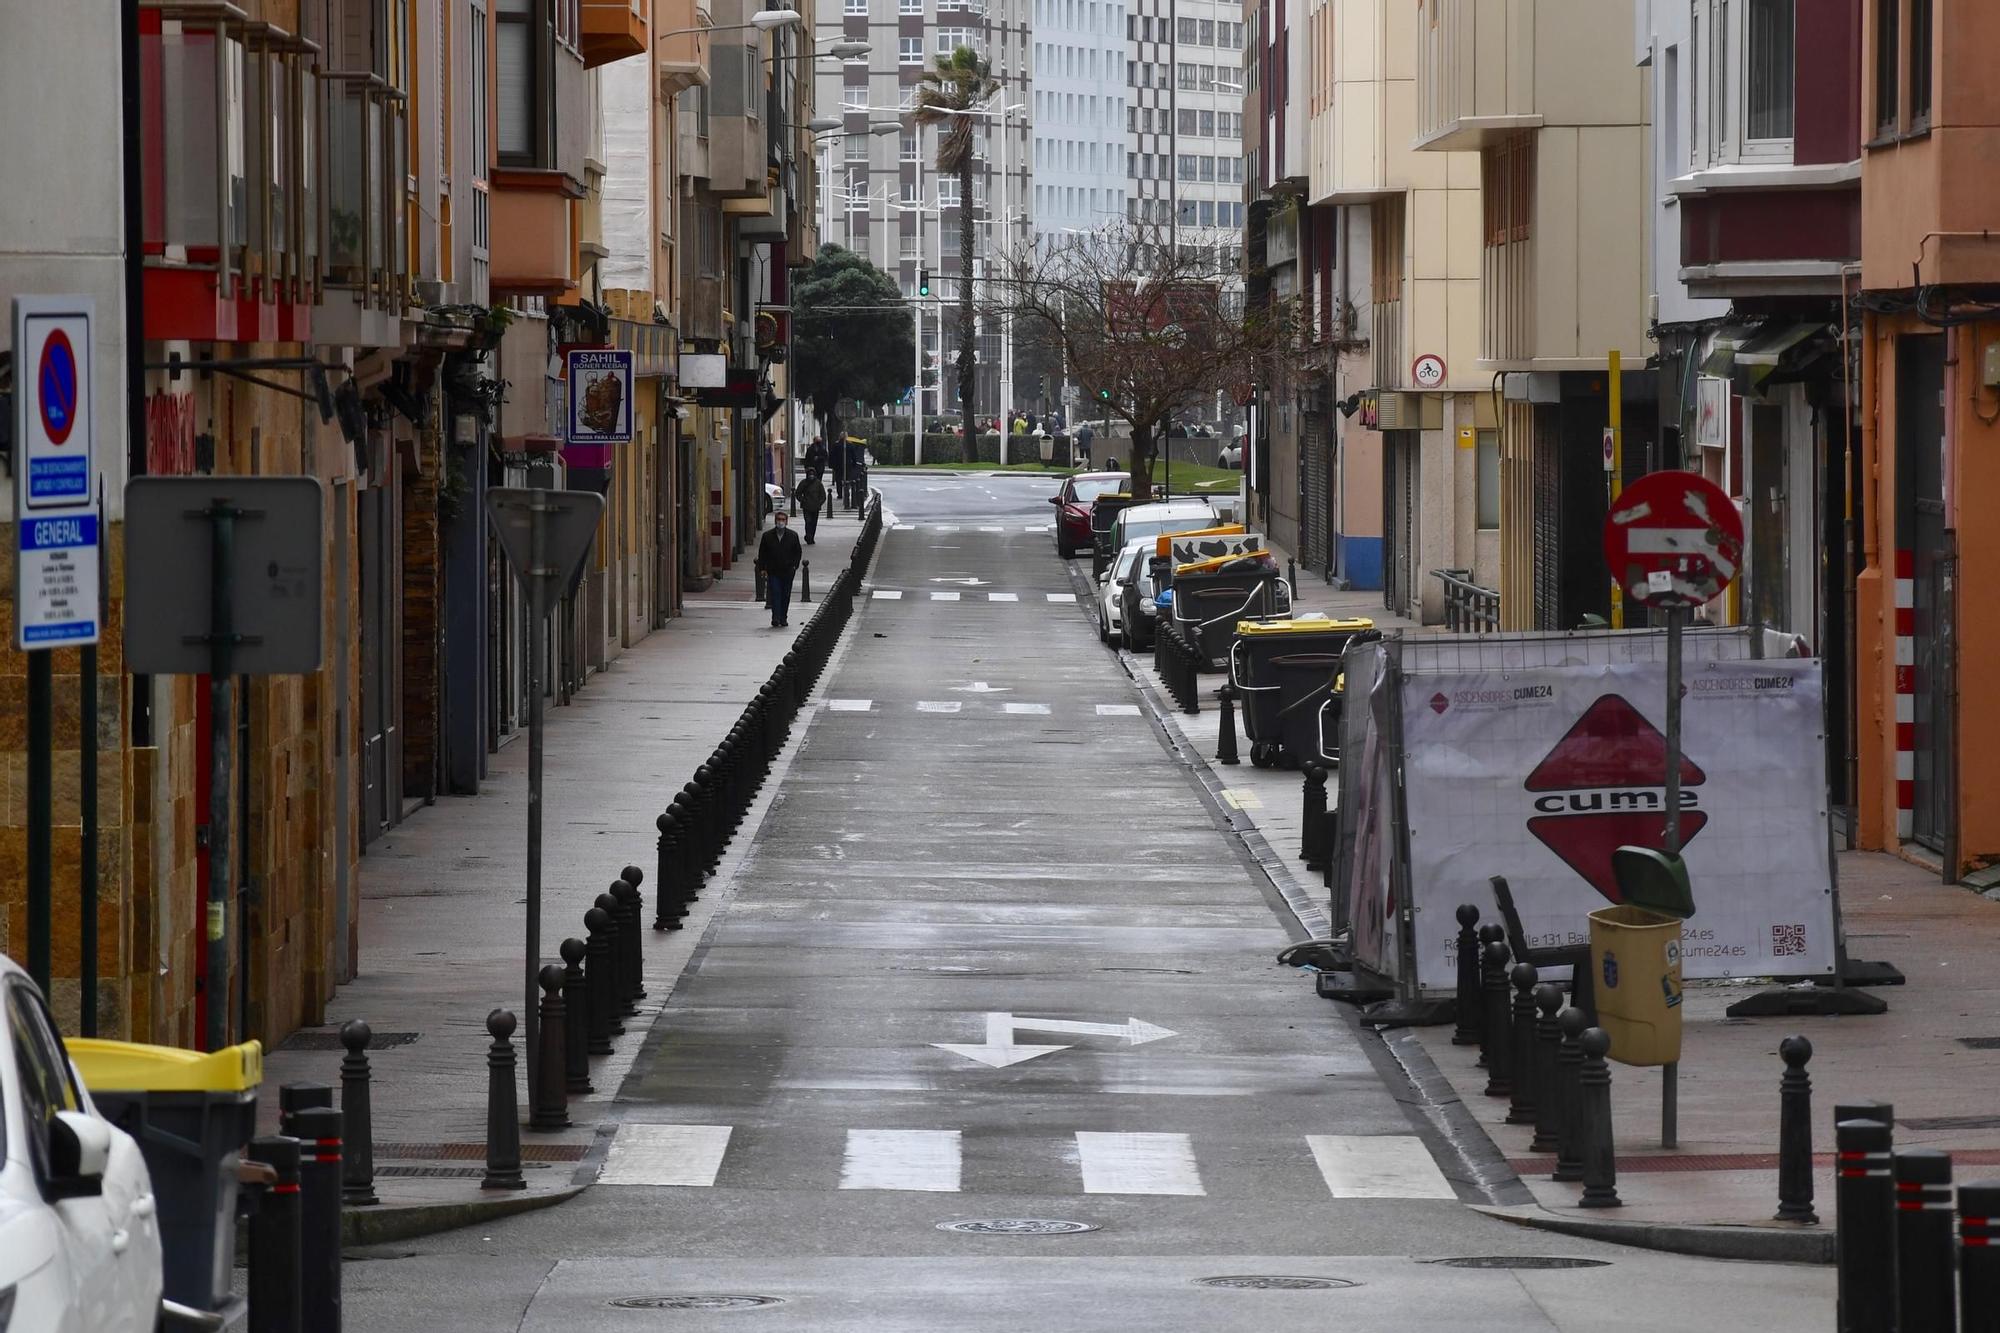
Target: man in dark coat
{"points": [[778, 556], [810, 494], [815, 459]]}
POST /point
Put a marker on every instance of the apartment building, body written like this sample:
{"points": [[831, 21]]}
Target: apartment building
{"points": [[1184, 122], [1078, 110]]}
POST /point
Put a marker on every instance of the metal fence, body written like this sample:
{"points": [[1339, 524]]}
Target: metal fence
{"points": [[1468, 608]]}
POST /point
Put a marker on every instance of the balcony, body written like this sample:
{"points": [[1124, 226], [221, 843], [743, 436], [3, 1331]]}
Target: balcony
{"points": [[534, 245], [231, 180], [367, 249], [612, 30]]}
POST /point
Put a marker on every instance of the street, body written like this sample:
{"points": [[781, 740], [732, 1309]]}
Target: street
{"points": [[992, 956]]}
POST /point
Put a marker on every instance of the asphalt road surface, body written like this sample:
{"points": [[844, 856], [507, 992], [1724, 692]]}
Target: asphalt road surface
{"points": [[993, 958]]}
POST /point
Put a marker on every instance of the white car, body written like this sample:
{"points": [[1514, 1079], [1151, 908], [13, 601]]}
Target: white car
{"points": [[79, 1236], [1109, 627]]}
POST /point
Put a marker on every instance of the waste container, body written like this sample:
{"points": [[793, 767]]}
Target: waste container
{"points": [[1287, 671], [1635, 961], [191, 1114], [1104, 511], [1213, 596]]}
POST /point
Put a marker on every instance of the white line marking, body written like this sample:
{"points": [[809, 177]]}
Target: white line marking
{"points": [[1243, 800], [937, 596], [1118, 710], [938, 706], [1039, 527], [1062, 596], [1003, 596], [888, 594], [993, 529], [1378, 1166], [850, 705], [901, 1159], [1039, 710], [664, 1155], [1137, 1164], [945, 528]]}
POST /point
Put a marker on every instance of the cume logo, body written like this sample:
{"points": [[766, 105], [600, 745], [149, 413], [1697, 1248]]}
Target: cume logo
{"points": [[1603, 787], [1439, 703]]}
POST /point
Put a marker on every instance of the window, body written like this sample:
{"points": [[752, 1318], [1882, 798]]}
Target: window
{"points": [[1207, 168], [910, 6], [1207, 124], [1206, 77], [1888, 66], [515, 50], [909, 150], [1187, 166], [1507, 184], [1187, 213], [1767, 86], [1206, 37], [857, 148], [1186, 33], [1186, 77], [1131, 120], [910, 51], [1920, 64], [1187, 122], [859, 7], [1207, 209], [1486, 480], [854, 97]]}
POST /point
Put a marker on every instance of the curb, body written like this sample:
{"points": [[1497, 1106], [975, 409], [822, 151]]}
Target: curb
{"points": [[1751, 1244], [377, 1226]]}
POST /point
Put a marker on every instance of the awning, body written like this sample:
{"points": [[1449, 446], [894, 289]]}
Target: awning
{"points": [[1749, 357]]}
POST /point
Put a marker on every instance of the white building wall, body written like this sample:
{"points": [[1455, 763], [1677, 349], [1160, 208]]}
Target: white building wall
{"points": [[1663, 45], [1077, 110]]}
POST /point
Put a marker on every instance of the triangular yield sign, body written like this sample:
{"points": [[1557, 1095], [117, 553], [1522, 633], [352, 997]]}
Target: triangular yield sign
{"points": [[1611, 745], [569, 521]]}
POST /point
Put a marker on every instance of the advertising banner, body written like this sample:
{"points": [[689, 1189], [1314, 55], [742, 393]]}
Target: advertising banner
{"points": [[600, 397], [1539, 775], [1367, 812]]}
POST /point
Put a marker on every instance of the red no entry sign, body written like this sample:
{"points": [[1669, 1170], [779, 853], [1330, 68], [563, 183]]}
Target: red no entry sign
{"points": [[1673, 539]]}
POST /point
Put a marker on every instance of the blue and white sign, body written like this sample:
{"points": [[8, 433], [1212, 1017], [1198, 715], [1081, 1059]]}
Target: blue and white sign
{"points": [[600, 396], [56, 602], [52, 413]]}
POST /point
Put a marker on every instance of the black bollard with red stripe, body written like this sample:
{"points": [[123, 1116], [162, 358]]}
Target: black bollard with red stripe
{"points": [[274, 1239], [1926, 1289], [318, 1132], [1865, 1204], [1979, 1255]]}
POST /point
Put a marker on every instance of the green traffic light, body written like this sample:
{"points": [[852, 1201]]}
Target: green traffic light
{"points": [[924, 282]]}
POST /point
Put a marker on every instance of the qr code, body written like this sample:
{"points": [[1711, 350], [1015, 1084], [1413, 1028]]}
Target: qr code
{"points": [[1788, 940]]}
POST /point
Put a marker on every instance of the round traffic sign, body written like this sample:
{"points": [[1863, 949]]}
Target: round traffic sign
{"points": [[1673, 539], [1427, 371], [55, 387]]}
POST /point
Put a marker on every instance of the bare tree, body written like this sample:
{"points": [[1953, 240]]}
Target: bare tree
{"points": [[1149, 327]]}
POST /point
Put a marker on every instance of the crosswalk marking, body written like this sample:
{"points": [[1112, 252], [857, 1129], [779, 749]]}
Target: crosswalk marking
{"points": [[850, 705], [1062, 596], [1117, 1163], [1003, 597], [1118, 710], [945, 527], [888, 594], [993, 529], [937, 596], [1043, 527], [665, 1155], [938, 706], [1378, 1166], [1040, 710], [902, 1159]]}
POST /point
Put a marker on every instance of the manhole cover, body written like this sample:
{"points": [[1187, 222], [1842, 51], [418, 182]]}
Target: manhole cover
{"points": [[1017, 1226], [1267, 1282], [1520, 1261], [695, 1301]]}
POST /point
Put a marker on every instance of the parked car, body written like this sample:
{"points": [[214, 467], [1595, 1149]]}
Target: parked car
{"points": [[79, 1240], [1155, 517], [1072, 504], [1231, 455], [1138, 613], [1111, 587]]}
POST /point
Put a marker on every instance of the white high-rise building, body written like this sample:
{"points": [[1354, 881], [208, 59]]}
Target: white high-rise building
{"points": [[1184, 121], [1078, 111]]}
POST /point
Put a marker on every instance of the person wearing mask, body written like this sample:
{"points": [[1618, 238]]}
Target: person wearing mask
{"points": [[778, 556]]}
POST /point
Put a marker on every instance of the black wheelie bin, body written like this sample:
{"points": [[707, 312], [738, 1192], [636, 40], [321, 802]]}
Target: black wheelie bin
{"points": [[1287, 672], [1212, 596]]}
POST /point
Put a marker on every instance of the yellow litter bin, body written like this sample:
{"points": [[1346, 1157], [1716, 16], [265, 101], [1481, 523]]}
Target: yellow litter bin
{"points": [[1635, 960], [191, 1114]]}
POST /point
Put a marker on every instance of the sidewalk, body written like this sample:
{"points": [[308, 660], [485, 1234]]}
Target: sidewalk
{"points": [[441, 907], [1715, 1192]]}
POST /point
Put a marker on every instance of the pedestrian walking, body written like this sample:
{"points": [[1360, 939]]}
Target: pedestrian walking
{"points": [[815, 459], [778, 556], [1083, 438], [810, 494]]}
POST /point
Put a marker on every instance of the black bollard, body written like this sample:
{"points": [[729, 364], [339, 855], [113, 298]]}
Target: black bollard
{"points": [[1225, 738], [503, 1108], [634, 877], [805, 581], [274, 1239], [1864, 1194], [1548, 1093], [1600, 1157], [1926, 1295], [548, 1098], [1312, 848], [633, 958], [663, 885], [1521, 1097], [1490, 933], [1465, 1031], [1499, 1024], [1569, 1064], [1795, 1175], [604, 1024], [357, 1188], [1979, 1255], [318, 1132], [619, 964], [296, 1097], [576, 1019]]}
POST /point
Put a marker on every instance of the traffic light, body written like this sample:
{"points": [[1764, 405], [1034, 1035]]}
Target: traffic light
{"points": [[1104, 395], [923, 282]]}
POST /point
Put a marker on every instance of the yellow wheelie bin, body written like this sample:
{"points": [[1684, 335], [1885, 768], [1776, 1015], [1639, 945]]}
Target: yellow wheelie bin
{"points": [[1635, 957]]}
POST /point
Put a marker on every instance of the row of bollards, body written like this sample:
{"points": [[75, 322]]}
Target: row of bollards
{"points": [[1179, 666], [1903, 1265], [295, 1182]]}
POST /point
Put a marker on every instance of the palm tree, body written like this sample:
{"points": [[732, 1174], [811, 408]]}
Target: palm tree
{"points": [[948, 94]]}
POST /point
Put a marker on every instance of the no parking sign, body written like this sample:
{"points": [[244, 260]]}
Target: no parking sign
{"points": [[56, 528]]}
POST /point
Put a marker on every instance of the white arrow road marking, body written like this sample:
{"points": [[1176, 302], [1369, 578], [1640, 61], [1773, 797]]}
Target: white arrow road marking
{"points": [[967, 583], [981, 687], [1002, 1050]]}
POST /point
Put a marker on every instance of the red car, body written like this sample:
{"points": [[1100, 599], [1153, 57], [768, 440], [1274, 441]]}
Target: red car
{"points": [[1072, 504]]}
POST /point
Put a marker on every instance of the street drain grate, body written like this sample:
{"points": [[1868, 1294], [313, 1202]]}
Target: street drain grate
{"points": [[696, 1301], [1519, 1261], [1266, 1282], [1953, 1122], [446, 1172], [1017, 1226], [330, 1040]]}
